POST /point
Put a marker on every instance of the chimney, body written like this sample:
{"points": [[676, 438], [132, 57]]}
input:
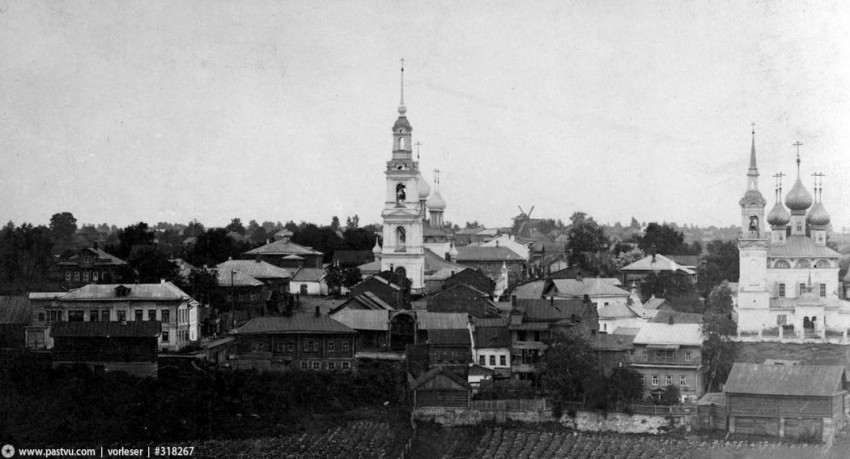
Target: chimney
{"points": [[513, 301], [497, 242], [318, 312], [162, 281], [579, 277], [670, 319]]}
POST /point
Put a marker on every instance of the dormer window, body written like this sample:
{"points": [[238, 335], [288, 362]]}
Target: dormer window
{"points": [[122, 291]]}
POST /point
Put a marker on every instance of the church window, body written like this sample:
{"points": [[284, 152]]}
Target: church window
{"points": [[822, 264], [401, 143], [401, 236], [782, 264], [822, 290], [781, 290], [802, 264], [400, 195], [802, 289]]}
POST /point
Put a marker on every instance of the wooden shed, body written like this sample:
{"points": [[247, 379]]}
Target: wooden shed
{"points": [[786, 401], [439, 387]]}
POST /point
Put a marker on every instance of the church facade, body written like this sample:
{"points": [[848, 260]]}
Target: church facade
{"points": [[788, 276]]}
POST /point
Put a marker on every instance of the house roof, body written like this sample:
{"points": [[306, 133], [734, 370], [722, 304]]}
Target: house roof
{"points": [[141, 329], [626, 330], [378, 279], [236, 278], [367, 301], [487, 337], [663, 317], [552, 311], [653, 303], [801, 247], [449, 336], [471, 253], [436, 372], [309, 275], [796, 380], [101, 257], [183, 267], [434, 263], [478, 370], [592, 287], [441, 320], [299, 322], [15, 310], [530, 290], [605, 342], [283, 247], [373, 267], [663, 333], [257, 269], [162, 291], [657, 263], [490, 321], [616, 311], [363, 319]]}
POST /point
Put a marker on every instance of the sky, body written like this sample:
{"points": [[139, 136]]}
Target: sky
{"points": [[154, 111]]}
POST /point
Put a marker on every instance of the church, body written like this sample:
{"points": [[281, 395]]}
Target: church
{"points": [[788, 276]]}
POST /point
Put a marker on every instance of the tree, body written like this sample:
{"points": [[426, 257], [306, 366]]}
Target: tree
{"points": [[661, 239], [357, 239], [629, 257], [335, 223], [62, 226], [236, 225], [584, 235], [671, 395], [718, 349], [214, 247], [568, 369], [352, 222], [334, 278], [721, 264], [133, 235], [151, 266], [194, 229], [473, 224], [351, 276], [625, 385]]}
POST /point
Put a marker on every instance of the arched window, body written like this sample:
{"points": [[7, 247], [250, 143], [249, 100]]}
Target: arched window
{"points": [[400, 237], [821, 264], [782, 264], [802, 264], [401, 143], [400, 195]]}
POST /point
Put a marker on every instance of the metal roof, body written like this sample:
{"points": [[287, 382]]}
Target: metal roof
{"points": [[441, 320], [15, 310], [363, 319], [451, 336], [439, 371], [592, 287], [487, 337], [283, 247], [657, 263], [800, 247], [135, 329], [257, 269], [161, 291], [796, 380], [653, 302], [663, 317], [663, 333], [300, 322], [235, 278], [606, 342], [529, 290], [480, 253], [309, 275], [616, 311]]}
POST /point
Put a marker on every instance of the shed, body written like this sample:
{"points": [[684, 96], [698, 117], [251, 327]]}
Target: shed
{"points": [[440, 387]]}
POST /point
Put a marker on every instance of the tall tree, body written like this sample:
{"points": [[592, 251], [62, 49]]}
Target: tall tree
{"points": [[63, 225], [236, 225], [352, 222], [151, 266], [721, 263], [585, 235], [718, 349], [568, 369], [663, 239], [214, 247], [133, 235]]}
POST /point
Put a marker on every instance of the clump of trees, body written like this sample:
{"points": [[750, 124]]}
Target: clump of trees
{"points": [[718, 349]]}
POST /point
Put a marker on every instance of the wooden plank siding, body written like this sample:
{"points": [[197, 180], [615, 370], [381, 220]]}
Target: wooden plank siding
{"points": [[780, 406], [441, 398]]}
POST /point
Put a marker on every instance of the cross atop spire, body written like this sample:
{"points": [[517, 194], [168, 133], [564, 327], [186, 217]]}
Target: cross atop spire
{"points": [[798, 145], [418, 147], [753, 168], [778, 177], [818, 185], [401, 108], [437, 177]]}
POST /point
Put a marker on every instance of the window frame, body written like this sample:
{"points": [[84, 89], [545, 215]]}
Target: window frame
{"points": [[655, 380]]}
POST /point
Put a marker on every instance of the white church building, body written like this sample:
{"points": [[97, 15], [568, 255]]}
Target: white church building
{"points": [[788, 277]]}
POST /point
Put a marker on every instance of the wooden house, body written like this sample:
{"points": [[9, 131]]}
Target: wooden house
{"points": [[795, 401], [473, 278], [439, 387], [108, 346], [463, 298]]}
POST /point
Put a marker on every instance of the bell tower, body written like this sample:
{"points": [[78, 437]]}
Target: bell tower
{"points": [[403, 251], [753, 294]]}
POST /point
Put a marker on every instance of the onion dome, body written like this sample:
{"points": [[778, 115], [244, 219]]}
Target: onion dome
{"points": [[452, 250], [778, 216], [424, 188], [377, 249], [818, 216], [436, 202], [798, 199]]}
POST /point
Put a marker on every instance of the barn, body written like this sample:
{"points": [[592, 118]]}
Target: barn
{"points": [[440, 387], [799, 401]]}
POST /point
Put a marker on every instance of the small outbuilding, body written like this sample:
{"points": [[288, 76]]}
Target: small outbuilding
{"points": [[440, 387]]}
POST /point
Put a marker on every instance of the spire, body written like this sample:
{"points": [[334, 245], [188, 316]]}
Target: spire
{"points": [[753, 169], [401, 108], [798, 145]]}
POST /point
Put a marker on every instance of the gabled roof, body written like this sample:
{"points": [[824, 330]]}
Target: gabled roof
{"points": [[663, 316], [487, 337], [257, 269], [441, 320], [299, 322], [15, 310], [449, 336], [690, 261], [605, 342], [140, 329], [236, 278], [490, 321], [653, 303], [676, 334], [531, 290], [363, 319], [626, 330], [478, 370], [657, 263], [796, 380], [471, 253], [592, 287], [162, 291], [377, 278], [283, 247], [801, 247], [309, 275], [616, 311], [366, 300], [101, 257], [434, 263], [439, 372], [556, 311]]}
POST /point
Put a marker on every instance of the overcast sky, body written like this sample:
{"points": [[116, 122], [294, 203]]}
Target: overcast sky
{"points": [[170, 111]]}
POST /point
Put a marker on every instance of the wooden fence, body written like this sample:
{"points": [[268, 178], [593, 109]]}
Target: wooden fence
{"points": [[534, 404], [639, 408]]}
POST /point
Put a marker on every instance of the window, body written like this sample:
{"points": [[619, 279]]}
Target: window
{"points": [[139, 315], [687, 356], [151, 314], [683, 381], [290, 346], [41, 317], [317, 365], [331, 366], [94, 276], [503, 360], [645, 355], [346, 365], [802, 289], [492, 360], [654, 380], [54, 316], [481, 360], [68, 276], [94, 315], [122, 316], [304, 365], [166, 337], [75, 316], [822, 289], [781, 319], [166, 316], [781, 290], [104, 316], [331, 346], [255, 347], [345, 346], [668, 380], [76, 275], [85, 276], [279, 347], [103, 275]]}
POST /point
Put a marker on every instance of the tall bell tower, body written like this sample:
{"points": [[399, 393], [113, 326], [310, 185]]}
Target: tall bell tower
{"points": [[403, 251]]}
